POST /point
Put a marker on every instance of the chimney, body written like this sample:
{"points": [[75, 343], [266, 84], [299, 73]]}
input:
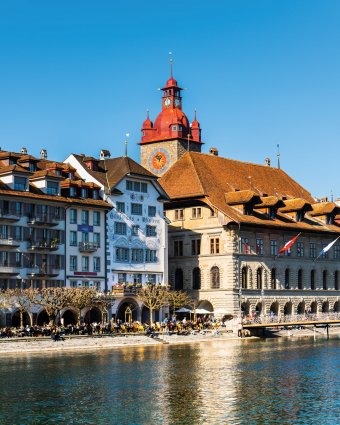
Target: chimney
{"points": [[43, 154], [24, 151], [104, 154], [267, 161], [213, 151]]}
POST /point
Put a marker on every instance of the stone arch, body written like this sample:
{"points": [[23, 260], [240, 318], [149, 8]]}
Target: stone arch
{"points": [[179, 279], [325, 307], [93, 314], [215, 277], [123, 305], [314, 307], [301, 308], [275, 308], [287, 278], [336, 280], [259, 308], [206, 305], [273, 278], [300, 279], [245, 308], [324, 280], [259, 278], [42, 318], [26, 319], [336, 307], [196, 278], [288, 309], [244, 277], [70, 317]]}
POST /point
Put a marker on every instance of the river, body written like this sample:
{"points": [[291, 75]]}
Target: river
{"points": [[235, 382]]}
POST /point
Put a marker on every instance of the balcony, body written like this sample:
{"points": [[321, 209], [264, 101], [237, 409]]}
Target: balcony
{"points": [[42, 246], [125, 290], [42, 272], [7, 270], [88, 246], [43, 220], [9, 216], [8, 243]]}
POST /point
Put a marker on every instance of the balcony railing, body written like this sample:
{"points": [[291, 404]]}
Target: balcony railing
{"points": [[87, 246], [289, 318], [42, 272], [7, 269], [9, 215], [9, 243], [43, 219], [42, 246]]}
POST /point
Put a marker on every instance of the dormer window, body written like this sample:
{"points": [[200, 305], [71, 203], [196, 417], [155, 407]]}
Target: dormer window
{"points": [[174, 127], [20, 183], [32, 167], [179, 128], [83, 192], [58, 172], [70, 176], [72, 192], [248, 209], [95, 194], [12, 161], [52, 188], [299, 215], [272, 212]]}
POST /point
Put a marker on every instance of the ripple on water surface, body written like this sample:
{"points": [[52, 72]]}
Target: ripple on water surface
{"points": [[248, 382]]}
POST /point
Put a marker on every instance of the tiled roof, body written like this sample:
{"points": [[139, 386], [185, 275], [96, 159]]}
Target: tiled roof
{"points": [[296, 204], [213, 176], [269, 201], [116, 170], [37, 194], [322, 208], [45, 173], [13, 168], [241, 197]]}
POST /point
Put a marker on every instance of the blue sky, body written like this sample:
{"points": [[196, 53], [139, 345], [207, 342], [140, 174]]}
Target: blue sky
{"points": [[76, 76]]}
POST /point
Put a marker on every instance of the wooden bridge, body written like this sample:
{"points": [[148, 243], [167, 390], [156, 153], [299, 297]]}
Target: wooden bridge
{"points": [[259, 329]]}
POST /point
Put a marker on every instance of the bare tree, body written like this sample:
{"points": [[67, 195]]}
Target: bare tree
{"points": [[178, 299], [83, 297], [53, 300], [153, 297], [105, 302], [20, 299]]}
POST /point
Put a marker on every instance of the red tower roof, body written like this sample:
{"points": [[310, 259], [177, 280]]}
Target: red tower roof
{"points": [[171, 123]]}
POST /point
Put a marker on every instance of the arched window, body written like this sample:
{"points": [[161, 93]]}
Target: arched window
{"points": [[300, 279], [215, 277], [244, 278], [178, 279], [196, 278], [312, 279], [287, 281], [259, 278], [324, 280], [273, 279], [336, 280]]}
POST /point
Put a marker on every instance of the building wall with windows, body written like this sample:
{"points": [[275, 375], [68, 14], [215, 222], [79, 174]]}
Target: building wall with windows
{"points": [[224, 240], [86, 247]]}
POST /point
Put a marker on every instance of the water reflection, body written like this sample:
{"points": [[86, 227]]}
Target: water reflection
{"points": [[248, 382]]}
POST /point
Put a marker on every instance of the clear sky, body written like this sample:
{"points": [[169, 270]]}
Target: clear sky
{"points": [[76, 76]]}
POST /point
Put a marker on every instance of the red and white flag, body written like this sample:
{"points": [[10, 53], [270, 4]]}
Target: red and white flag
{"points": [[289, 244]]}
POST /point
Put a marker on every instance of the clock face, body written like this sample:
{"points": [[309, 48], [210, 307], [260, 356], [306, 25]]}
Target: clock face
{"points": [[159, 160], [167, 101], [177, 102]]}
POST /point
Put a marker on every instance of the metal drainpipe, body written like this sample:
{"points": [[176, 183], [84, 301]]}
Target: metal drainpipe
{"points": [[105, 253]]}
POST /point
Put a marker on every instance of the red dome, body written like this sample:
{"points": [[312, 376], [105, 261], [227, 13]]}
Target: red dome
{"points": [[147, 124], [170, 117], [171, 82]]}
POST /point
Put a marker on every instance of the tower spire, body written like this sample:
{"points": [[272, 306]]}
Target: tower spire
{"points": [[170, 53], [278, 156]]}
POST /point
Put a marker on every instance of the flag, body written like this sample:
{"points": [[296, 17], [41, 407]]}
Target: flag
{"points": [[327, 248], [289, 244]]}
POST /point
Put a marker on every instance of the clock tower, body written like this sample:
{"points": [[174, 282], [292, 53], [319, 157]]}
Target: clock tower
{"points": [[170, 136]]}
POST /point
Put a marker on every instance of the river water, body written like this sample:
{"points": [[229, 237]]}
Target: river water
{"points": [[236, 382]]}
